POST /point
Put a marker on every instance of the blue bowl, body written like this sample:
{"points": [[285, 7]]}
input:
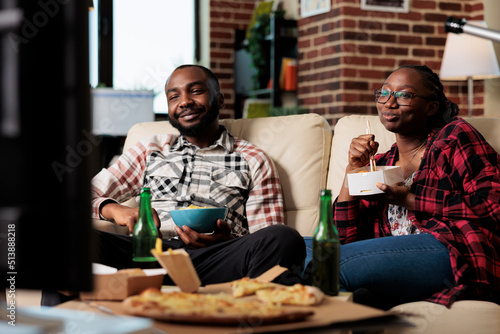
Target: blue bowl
{"points": [[200, 220]]}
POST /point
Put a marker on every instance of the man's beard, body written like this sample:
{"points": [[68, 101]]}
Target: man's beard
{"points": [[198, 129]]}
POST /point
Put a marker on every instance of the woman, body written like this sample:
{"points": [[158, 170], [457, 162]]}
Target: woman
{"points": [[446, 216]]}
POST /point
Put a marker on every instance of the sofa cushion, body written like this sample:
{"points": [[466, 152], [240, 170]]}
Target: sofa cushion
{"points": [[299, 145], [464, 316]]}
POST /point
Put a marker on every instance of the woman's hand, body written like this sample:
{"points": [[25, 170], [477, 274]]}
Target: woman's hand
{"points": [[360, 151], [197, 240], [398, 195]]}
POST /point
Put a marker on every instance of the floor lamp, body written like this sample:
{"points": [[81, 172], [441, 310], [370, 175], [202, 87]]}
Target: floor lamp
{"points": [[470, 58]]}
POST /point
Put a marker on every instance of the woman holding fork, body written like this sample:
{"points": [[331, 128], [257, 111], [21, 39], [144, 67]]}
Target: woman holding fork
{"points": [[437, 237]]}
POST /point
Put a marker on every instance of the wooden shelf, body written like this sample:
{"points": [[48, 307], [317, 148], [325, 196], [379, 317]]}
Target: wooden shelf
{"points": [[283, 43], [260, 92]]}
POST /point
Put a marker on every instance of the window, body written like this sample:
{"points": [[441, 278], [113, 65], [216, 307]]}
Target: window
{"points": [[150, 39]]}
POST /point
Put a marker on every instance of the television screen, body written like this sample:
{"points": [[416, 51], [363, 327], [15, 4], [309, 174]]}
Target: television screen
{"points": [[45, 146]]}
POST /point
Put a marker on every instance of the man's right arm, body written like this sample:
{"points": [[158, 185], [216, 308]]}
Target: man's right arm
{"points": [[123, 180], [120, 214], [108, 187], [124, 215]]}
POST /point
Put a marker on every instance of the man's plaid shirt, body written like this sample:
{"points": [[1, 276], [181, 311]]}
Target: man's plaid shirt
{"points": [[231, 173], [457, 190]]}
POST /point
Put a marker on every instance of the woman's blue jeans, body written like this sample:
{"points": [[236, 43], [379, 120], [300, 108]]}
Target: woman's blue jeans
{"points": [[397, 269]]}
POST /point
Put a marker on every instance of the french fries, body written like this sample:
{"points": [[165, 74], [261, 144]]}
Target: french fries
{"points": [[159, 246]]}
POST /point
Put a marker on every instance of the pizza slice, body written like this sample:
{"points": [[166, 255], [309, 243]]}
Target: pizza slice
{"points": [[297, 294], [210, 309], [248, 286]]}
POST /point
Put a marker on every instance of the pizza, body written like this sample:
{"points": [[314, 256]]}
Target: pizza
{"points": [[248, 286], [297, 294], [221, 308]]}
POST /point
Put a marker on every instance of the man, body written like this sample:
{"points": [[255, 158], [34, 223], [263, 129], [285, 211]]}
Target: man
{"points": [[203, 166]]}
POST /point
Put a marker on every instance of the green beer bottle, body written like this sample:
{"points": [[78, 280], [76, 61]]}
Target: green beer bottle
{"points": [[145, 234], [326, 249]]}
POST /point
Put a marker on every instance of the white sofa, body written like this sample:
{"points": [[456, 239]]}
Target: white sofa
{"points": [[309, 159], [299, 146]]}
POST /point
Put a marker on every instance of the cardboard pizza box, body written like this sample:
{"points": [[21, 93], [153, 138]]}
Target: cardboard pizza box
{"points": [[362, 181], [332, 311], [111, 284]]}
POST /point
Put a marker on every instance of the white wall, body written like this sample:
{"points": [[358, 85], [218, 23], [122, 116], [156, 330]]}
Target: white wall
{"points": [[292, 9], [492, 86]]}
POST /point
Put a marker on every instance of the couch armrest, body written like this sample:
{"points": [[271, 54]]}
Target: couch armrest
{"points": [[107, 226]]}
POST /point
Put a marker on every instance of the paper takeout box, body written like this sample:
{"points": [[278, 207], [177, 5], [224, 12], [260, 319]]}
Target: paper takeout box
{"points": [[180, 268], [363, 182], [118, 285]]}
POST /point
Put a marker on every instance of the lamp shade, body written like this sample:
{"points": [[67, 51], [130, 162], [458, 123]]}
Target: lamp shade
{"points": [[466, 56]]}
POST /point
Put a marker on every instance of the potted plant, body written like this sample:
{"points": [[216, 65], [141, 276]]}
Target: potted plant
{"points": [[259, 48]]}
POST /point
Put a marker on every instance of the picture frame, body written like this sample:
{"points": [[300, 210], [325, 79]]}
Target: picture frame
{"points": [[314, 7], [398, 6]]}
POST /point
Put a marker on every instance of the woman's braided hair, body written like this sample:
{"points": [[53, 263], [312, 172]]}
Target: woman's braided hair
{"points": [[447, 110]]}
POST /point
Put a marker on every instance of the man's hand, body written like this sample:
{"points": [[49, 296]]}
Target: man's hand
{"points": [[196, 240], [126, 216]]}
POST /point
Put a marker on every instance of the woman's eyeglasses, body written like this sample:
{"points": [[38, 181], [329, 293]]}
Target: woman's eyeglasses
{"points": [[402, 98]]}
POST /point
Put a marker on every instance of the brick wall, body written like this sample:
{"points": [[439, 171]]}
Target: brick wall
{"points": [[348, 52], [225, 18]]}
